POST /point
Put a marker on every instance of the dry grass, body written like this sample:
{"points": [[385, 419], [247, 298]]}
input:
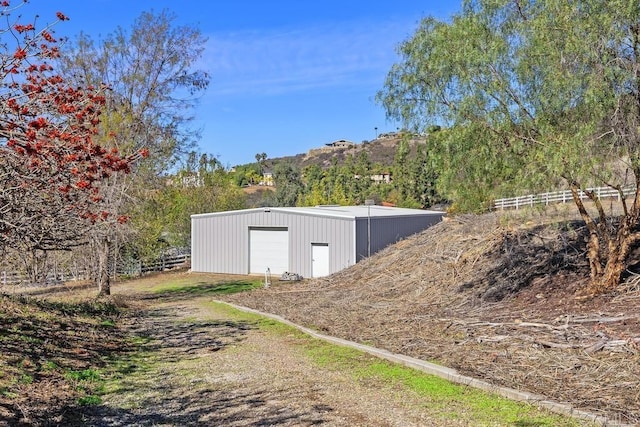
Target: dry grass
{"points": [[46, 350], [493, 296]]}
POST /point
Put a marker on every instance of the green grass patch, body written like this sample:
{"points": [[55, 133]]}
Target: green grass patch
{"points": [[441, 398], [123, 371], [85, 375], [8, 394], [262, 322], [89, 400], [89, 383], [26, 379], [206, 288], [49, 366], [108, 323]]}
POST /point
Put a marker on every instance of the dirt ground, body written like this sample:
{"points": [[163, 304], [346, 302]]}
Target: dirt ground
{"points": [[494, 300], [218, 372], [197, 366]]}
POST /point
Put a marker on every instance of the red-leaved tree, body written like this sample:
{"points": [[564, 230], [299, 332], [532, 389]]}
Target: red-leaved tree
{"points": [[50, 166]]}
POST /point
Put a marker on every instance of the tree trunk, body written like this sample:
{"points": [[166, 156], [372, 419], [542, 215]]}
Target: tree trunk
{"points": [[102, 275], [594, 254], [617, 256], [609, 245], [612, 274], [35, 263]]}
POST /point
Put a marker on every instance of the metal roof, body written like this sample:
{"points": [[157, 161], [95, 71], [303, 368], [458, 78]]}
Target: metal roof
{"points": [[373, 211]]}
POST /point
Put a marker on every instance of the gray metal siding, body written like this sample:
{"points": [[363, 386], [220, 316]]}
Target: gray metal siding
{"points": [[388, 230], [336, 232], [217, 245], [220, 242]]}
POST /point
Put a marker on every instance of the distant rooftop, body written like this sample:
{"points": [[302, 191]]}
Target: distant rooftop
{"points": [[341, 143]]}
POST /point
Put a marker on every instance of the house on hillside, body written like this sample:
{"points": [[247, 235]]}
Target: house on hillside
{"points": [[379, 178], [267, 179], [310, 241], [341, 143], [186, 180]]}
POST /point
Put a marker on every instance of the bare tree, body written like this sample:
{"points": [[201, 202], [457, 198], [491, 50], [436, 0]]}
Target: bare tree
{"points": [[153, 88]]}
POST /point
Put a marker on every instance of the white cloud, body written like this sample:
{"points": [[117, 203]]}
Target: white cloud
{"points": [[347, 54]]}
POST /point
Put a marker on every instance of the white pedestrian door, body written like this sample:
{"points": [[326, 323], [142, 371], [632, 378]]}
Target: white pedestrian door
{"points": [[268, 249], [319, 259]]}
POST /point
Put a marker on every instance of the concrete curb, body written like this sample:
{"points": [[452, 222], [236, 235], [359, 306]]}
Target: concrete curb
{"points": [[447, 373]]}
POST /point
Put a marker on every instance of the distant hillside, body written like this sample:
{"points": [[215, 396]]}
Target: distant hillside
{"points": [[381, 150]]}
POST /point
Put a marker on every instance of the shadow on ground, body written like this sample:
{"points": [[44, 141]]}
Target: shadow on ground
{"points": [[161, 328], [200, 289], [204, 408], [156, 396], [44, 349]]}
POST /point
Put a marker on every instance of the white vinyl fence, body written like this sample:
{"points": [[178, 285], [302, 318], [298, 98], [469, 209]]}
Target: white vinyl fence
{"points": [[8, 276], [558, 197]]}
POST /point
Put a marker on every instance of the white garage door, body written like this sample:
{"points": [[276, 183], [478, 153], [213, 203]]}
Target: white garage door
{"points": [[268, 248]]}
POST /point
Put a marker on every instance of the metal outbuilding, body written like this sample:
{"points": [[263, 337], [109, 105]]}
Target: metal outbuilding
{"points": [[310, 241]]}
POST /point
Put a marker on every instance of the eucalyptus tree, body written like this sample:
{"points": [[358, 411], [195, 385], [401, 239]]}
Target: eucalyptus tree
{"points": [[423, 179], [401, 176], [154, 84], [362, 171], [289, 185], [532, 94]]}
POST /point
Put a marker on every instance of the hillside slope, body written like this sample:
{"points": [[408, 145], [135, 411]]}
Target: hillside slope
{"points": [[492, 299], [381, 150]]}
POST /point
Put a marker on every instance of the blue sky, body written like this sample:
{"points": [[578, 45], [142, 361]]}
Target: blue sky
{"points": [[287, 75]]}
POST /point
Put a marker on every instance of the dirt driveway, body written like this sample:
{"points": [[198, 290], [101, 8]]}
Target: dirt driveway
{"points": [[203, 368]]}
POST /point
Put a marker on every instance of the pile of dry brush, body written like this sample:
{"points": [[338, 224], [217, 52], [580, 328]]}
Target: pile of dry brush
{"points": [[495, 301]]}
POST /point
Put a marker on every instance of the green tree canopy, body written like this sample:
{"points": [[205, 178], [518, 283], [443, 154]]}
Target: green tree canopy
{"points": [[288, 184], [532, 94], [164, 216]]}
